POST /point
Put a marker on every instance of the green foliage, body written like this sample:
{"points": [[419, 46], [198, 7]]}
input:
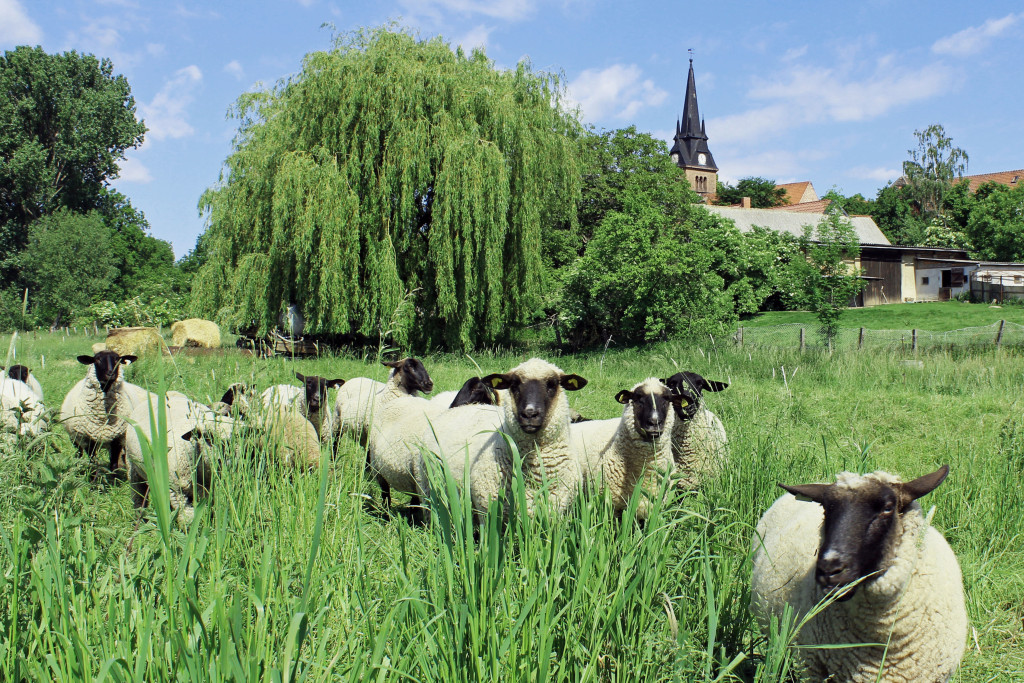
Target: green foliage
{"points": [[68, 261], [897, 216], [390, 165], [648, 273], [137, 311], [996, 223], [65, 121], [931, 170], [762, 192], [824, 281], [855, 205]]}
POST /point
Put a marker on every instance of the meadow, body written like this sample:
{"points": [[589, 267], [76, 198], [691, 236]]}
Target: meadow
{"points": [[289, 577]]}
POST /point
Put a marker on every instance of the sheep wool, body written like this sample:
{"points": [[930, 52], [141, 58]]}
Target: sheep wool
{"points": [[196, 332], [615, 457], [293, 435], [699, 446], [91, 416], [21, 410], [916, 604]]}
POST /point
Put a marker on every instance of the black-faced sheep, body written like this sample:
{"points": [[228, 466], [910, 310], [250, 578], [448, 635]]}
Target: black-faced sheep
{"points": [[310, 400], [909, 601], [699, 444]]}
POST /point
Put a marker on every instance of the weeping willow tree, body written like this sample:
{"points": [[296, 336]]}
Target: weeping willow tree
{"points": [[391, 165]]}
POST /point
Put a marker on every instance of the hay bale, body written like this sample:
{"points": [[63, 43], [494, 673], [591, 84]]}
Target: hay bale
{"points": [[196, 332], [97, 347], [135, 341]]}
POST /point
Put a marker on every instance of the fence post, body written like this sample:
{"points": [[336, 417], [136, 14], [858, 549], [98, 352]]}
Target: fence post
{"points": [[913, 340], [999, 333], [860, 339], [739, 336], [803, 343]]}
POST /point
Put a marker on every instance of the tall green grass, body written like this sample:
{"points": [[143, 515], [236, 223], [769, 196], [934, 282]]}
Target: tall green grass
{"points": [[288, 576]]}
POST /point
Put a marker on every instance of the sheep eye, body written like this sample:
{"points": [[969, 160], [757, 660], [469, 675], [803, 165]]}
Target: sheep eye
{"points": [[889, 508]]}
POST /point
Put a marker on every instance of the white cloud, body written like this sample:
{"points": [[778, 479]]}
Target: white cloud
{"points": [[134, 171], [879, 173], [794, 53], [617, 91], [165, 114], [15, 26], [234, 67], [975, 38], [508, 10], [803, 94], [477, 36]]}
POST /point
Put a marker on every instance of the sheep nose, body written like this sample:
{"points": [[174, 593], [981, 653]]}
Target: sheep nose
{"points": [[529, 411], [830, 569]]}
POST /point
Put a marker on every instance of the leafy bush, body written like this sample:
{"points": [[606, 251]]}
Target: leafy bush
{"points": [[137, 311]]}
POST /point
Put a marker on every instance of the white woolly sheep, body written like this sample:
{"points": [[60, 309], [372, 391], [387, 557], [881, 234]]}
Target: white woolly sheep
{"points": [[291, 436], [21, 409], [619, 454], [310, 400], [189, 427], [699, 443], [23, 374], [473, 392], [94, 411], [909, 601], [236, 401], [358, 400]]}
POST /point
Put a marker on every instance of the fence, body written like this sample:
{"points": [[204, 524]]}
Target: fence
{"points": [[804, 337]]}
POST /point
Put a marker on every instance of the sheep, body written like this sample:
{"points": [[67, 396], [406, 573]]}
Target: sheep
{"points": [[23, 374], [190, 425], [236, 400], [621, 453], [21, 409], [393, 454], [699, 443], [909, 600], [93, 411], [359, 398], [536, 417], [310, 400], [293, 434]]}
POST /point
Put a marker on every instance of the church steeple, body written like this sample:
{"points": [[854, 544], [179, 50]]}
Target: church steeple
{"points": [[690, 149]]}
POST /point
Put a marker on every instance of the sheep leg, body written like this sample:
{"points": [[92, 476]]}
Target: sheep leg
{"points": [[385, 492], [139, 486], [117, 455]]}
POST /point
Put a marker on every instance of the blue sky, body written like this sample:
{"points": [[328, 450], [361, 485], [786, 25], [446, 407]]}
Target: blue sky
{"points": [[826, 92]]}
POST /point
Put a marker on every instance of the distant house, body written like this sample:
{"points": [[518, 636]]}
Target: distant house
{"points": [[798, 193], [1008, 178]]}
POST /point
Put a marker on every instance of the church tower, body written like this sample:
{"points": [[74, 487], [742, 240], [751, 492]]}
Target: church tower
{"points": [[690, 151]]}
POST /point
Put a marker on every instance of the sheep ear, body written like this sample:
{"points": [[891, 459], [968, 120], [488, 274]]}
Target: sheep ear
{"points": [[128, 360], [86, 360], [299, 376], [392, 363], [912, 490], [710, 385], [572, 382], [335, 383], [187, 436], [624, 396], [812, 492], [497, 381], [679, 400]]}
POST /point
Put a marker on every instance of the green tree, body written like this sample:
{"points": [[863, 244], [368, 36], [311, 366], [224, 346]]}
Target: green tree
{"points": [[898, 217], [645, 276], [389, 165], [65, 121], [762, 192], [67, 263], [855, 205], [996, 223], [825, 280], [932, 169]]}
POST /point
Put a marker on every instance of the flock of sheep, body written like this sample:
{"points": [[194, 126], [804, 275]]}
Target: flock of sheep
{"points": [[857, 560]]}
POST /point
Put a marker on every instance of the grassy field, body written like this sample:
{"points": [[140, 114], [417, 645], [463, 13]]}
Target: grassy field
{"points": [[301, 577], [935, 316]]}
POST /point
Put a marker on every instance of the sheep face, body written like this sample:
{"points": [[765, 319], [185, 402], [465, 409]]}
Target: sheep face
{"points": [[413, 376], [474, 391], [862, 521], [690, 385], [18, 372], [316, 390], [650, 408], [533, 395], [107, 365]]}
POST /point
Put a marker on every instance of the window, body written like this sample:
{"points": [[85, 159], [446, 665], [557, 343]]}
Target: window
{"points": [[924, 280]]}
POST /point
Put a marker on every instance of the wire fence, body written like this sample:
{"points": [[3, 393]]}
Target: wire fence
{"points": [[799, 336]]}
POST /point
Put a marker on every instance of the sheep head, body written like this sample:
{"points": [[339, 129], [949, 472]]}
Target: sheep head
{"points": [[107, 365], [475, 391], [316, 390], [691, 386], [651, 400], [534, 386], [18, 372], [862, 522], [412, 376]]}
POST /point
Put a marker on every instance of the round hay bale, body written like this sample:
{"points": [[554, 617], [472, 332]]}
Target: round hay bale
{"points": [[98, 346], [196, 332], [135, 341]]}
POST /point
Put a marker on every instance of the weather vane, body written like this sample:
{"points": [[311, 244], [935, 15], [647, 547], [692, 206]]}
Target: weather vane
{"points": [[690, 50]]}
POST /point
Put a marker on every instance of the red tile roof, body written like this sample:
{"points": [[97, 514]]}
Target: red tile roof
{"points": [[805, 207], [1010, 178], [795, 192]]}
